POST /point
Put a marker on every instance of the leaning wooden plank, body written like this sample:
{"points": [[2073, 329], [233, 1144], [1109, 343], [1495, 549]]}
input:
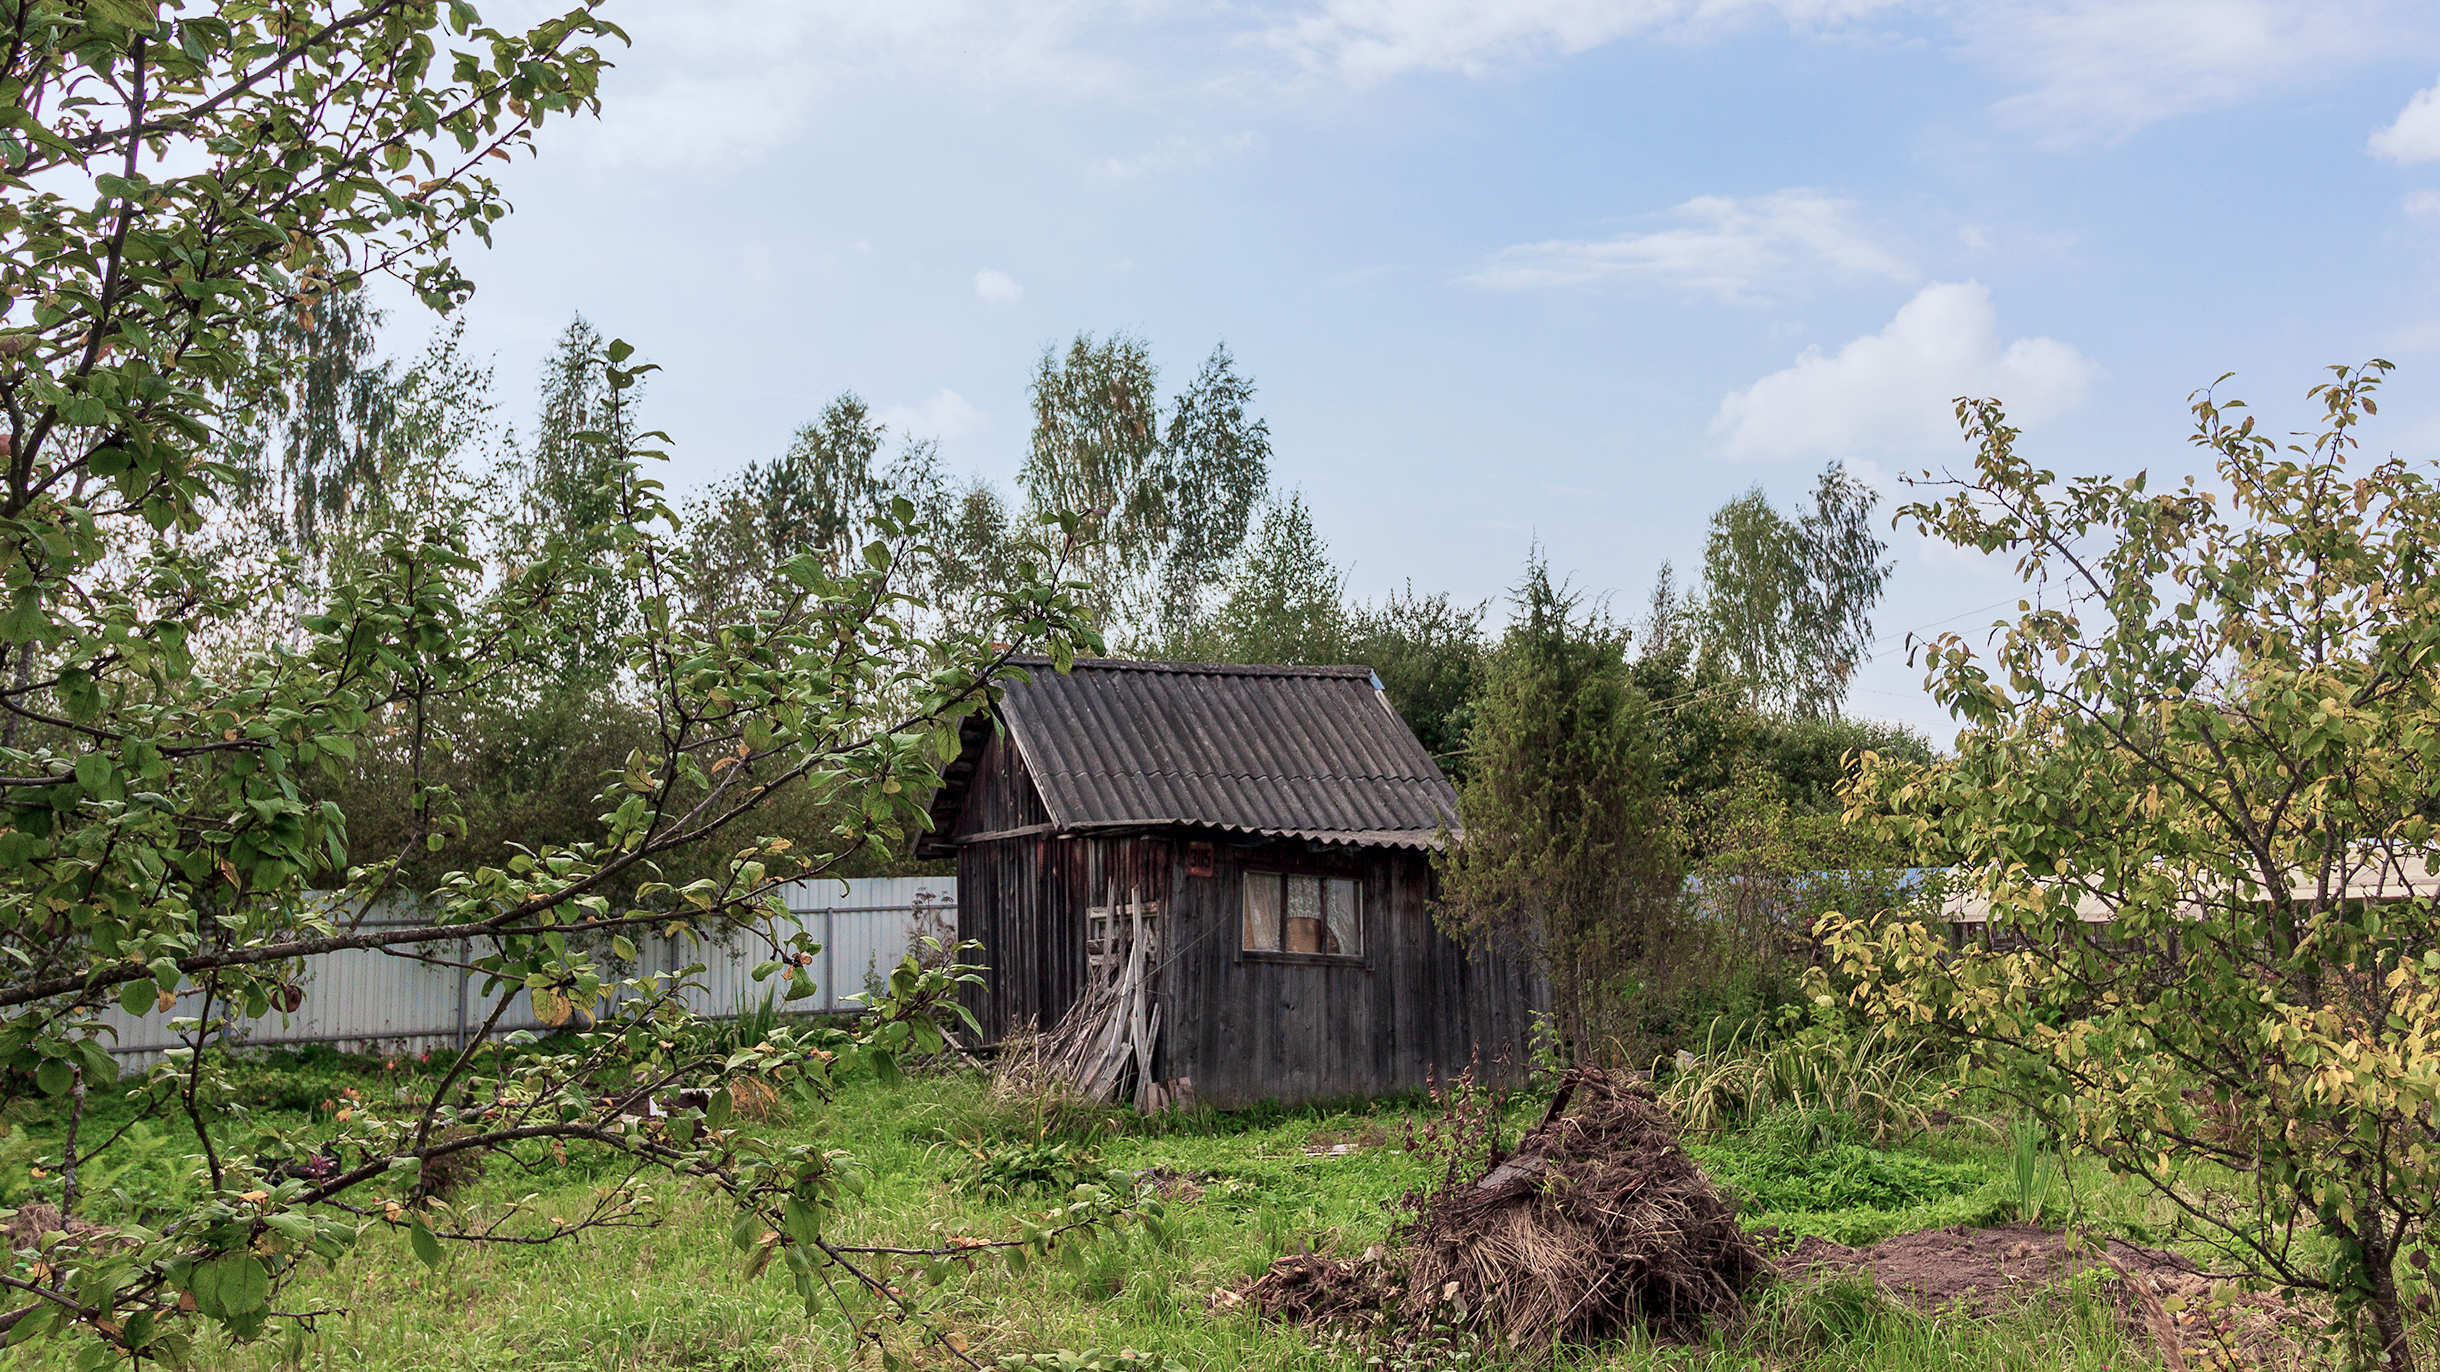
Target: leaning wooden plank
{"points": [[1114, 1028], [1109, 1056], [1146, 1090]]}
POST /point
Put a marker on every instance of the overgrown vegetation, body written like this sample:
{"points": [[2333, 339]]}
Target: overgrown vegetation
{"points": [[1240, 1191], [285, 618], [2215, 734], [185, 712]]}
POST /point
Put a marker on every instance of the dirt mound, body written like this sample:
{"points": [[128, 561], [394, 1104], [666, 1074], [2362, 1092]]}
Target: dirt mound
{"points": [[1598, 1220], [1981, 1270]]}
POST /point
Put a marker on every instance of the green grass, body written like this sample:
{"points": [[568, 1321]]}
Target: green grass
{"points": [[1810, 1172], [1844, 1325], [673, 1297]]}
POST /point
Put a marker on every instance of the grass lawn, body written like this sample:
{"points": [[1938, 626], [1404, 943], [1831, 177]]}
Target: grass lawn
{"points": [[673, 1296]]}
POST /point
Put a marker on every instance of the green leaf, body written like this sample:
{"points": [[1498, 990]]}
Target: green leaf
{"points": [[136, 997], [623, 946], [203, 1283], [239, 1283], [24, 620], [36, 1324], [131, 14], [55, 1076], [426, 1247], [93, 772], [79, 696], [802, 1219], [100, 1067], [295, 1226]]}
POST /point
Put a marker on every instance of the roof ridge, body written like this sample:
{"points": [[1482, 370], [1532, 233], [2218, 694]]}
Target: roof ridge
{"points": [[1347, 671], [1244, 775]]}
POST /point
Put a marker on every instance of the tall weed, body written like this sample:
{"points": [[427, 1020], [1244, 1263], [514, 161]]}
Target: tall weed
{"points": [[748, 1023], [1887, 1083], [2027, 1141], [1031, 1099]]}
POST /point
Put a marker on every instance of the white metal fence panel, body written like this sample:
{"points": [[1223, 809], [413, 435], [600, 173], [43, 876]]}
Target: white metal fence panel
{"points": [[370, 1001], [864, 927]]}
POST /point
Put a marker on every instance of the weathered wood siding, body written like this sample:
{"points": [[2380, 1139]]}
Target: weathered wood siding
{"points": [[1270, 1026], [1245, 1026], [1000, 797], [1025, 898]]}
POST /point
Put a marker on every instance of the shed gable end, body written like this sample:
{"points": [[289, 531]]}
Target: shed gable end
{"points": [[1001, 797]]}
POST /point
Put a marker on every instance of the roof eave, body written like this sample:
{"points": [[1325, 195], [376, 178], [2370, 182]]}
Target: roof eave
{"points": [[1418, 840]]}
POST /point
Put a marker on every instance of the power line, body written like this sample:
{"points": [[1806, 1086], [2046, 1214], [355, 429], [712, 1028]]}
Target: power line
{"points": [[1994, 605]]}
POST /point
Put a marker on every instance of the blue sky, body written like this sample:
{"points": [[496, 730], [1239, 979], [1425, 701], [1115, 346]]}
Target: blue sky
{"points": [[1547, 269]]}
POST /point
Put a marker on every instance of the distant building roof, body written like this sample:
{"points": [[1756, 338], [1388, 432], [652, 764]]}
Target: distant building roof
{"points": [[1298, 752]]}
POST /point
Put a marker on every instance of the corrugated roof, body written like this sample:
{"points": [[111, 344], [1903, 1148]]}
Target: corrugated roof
{"points": [[1307, 752]]}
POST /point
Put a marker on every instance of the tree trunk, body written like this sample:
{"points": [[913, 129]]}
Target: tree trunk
{"points": [[67, 1153], [2388, 1321], [25, 678]]}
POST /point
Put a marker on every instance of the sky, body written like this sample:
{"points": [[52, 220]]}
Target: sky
{"points": [[1508, 272]]}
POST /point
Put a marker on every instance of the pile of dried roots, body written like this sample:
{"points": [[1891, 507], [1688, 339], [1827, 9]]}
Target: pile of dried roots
{"points": [[1596, 1222], [1304, 1288]]}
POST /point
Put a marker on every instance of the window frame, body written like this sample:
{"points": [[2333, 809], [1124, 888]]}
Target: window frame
{"points": [[1355, 883]]}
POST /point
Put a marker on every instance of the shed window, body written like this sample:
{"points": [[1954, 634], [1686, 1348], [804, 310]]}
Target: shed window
{"points": [[1288, 913]]}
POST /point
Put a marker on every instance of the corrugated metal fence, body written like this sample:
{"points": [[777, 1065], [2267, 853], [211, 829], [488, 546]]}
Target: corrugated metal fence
{"points": [[367, 1000]]}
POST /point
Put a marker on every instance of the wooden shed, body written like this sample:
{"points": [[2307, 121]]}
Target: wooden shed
{"points": [[1271, 828]]}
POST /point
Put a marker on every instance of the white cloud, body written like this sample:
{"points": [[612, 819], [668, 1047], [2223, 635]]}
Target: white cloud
{"points": [[1720, 245], [997, 287], [2423, 207], [1178, 153], [2083, 68], [1896, 389], [1366, 41], [2415, 135], [689, 94], [943, 414], [690, 122], [2099, 69]]}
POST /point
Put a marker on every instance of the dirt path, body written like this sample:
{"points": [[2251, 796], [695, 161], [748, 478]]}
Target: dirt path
{"points": [[1979, 1271]]}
